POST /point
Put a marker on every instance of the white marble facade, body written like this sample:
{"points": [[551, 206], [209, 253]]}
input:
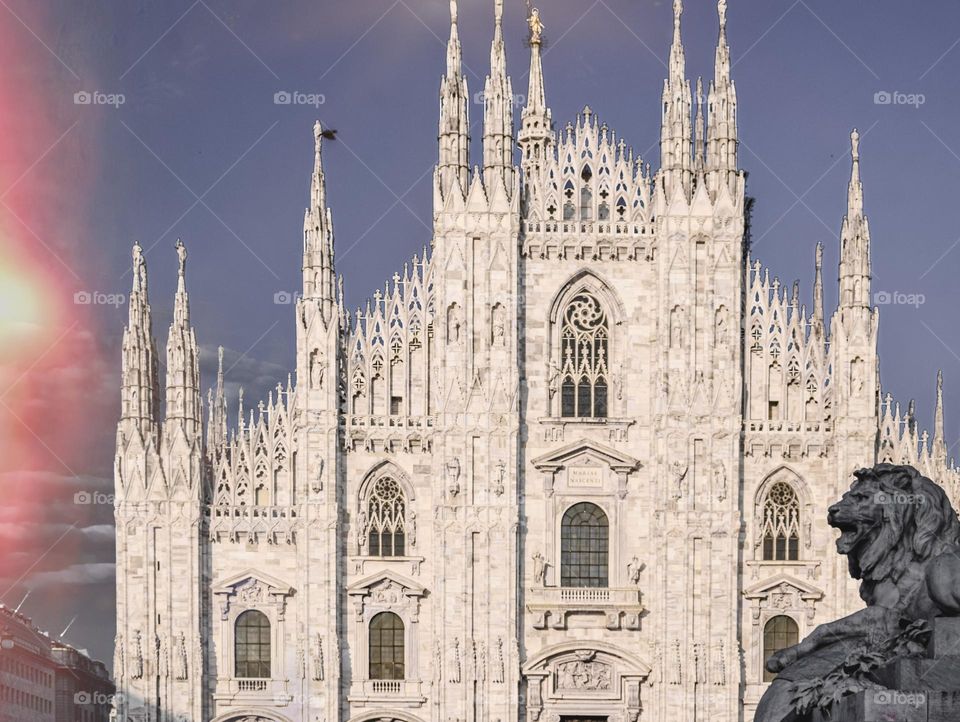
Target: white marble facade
{"points": [[572, 462]]}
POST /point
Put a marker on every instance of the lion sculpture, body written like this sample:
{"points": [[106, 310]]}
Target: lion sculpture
{"points": [[901, 537]]}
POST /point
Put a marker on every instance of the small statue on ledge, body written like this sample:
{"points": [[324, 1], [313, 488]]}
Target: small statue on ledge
{"points": [[901, 537]]}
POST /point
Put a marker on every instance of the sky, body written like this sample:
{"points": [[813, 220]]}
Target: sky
{"points": [[182, 137]]}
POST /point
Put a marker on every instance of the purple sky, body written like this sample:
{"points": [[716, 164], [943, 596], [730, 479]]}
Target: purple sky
{"points": [[199, 120]]}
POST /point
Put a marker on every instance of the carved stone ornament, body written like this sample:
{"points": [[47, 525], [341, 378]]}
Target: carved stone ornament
{"points": [[588, 675]]}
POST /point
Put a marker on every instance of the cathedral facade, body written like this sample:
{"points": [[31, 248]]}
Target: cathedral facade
{"points": [[571, 463]]}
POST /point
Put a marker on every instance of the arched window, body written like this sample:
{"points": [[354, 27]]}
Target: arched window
{"points": [[386, 519], [780, 531], [252, 645], [778, 633], [584, 547], [584, 357], [386, 646]]}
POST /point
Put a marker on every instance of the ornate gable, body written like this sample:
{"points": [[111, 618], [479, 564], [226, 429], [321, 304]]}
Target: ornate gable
{"points": [[252, 589], [783, 594], [585, 465]]}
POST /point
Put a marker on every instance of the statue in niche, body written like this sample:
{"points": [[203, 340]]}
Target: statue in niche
{"points": [[318, 366], [454, 323], [553, 378], [362, 528], [720, 480], [677, 324], [633, 571], [722, 330], [499, 325], [412, 527], [453, 472], [498, 484], [901, 538], [679, 470]]}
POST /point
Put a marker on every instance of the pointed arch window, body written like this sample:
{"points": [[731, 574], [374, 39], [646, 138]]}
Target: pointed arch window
{"points": [[252, 645], [584, 358], [584, 547], [780, 530], [386, 519], [386, 647], [778, 634]]}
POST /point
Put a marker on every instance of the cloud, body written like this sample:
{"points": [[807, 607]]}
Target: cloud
{"points": [[74, 575]]}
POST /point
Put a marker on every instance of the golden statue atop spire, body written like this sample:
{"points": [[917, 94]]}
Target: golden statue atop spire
{"points": [[536, 27]]}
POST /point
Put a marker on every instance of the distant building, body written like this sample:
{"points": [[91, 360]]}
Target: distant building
{"points": [[42, 680], [84, 691]]}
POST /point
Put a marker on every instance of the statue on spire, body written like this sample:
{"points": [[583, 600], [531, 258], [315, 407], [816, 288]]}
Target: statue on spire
{"points": [[855, 144], [453, 11], [678, 11], [181, 256], [536, 27], [722, 9]]}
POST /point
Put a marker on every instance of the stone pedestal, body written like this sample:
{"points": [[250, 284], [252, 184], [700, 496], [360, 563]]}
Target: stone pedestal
{"points": [[925, 689]]}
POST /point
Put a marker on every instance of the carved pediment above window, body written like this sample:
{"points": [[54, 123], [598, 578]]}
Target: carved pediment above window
{"points": [[782, 594], [250, 590], [586, 465], [386, 590]]}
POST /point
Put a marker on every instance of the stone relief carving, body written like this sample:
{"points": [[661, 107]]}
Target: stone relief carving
{"points": [[498, 667], [137, 655], [318, 671], [589, 675], [676, 676], [182, 670], [455, 661], [719, 673]]}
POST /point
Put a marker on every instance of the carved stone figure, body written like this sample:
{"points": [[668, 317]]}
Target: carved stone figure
{"points": [[633, 570], [679, 470], [182, 671], [902, 539], [539, 568], [720, 480]]}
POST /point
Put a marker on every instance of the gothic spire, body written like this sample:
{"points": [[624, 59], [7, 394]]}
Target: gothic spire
{"points": [[318, 253], [217, 408], [676, 134], [536, 126], [139, 391], [818, 290], [855, 240], [498, 111], [939, 443], [183, 361], [722, 100], [454, 162]]}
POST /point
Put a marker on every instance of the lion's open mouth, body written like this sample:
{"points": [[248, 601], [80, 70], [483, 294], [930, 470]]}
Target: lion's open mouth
{"points": [[851, 534]]}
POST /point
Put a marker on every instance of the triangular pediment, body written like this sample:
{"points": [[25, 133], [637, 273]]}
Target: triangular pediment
{"points": [[768, 586], [386, 579], [579, 450], [251, 578]]}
